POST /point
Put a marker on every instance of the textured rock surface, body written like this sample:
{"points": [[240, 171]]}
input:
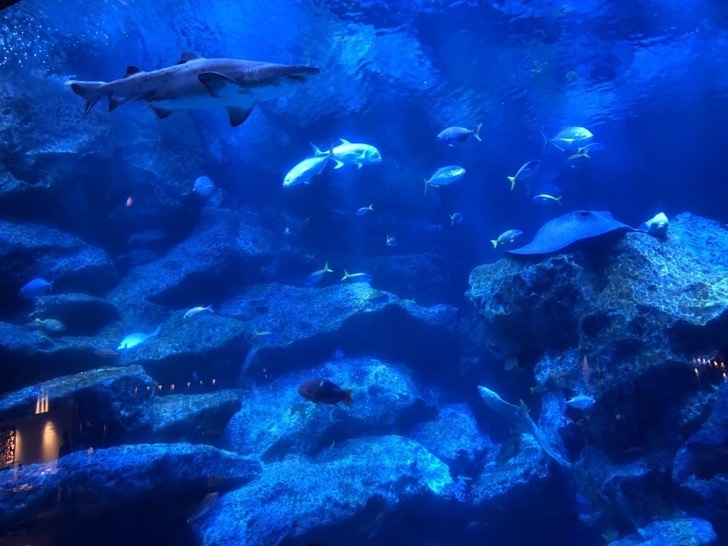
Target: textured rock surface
{"points": [[81, 314], [116, 395], [196, 418], [276, 421], [28, 355], [639, 298], [209, 344], [311, 323], [700, 469], [120, 476], [28, 251], [684, 531], [331, 499], [226, 248]]}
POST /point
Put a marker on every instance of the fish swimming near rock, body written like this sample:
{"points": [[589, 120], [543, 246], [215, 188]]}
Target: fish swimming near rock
{"points": [[197, 310], [196, 82], [204, 507], [36, 288], [568, 229], [203, 186], [581, 402], [506, 237], [50, 326], [356, 277], [656, 225], [459, 134], [322, 391], [316, 276], [519, 416], [137, 338]]}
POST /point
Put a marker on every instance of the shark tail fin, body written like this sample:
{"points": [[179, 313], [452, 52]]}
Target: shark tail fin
{"points": [[512, 180], [476, 132], [90, 91], [495, 243]]}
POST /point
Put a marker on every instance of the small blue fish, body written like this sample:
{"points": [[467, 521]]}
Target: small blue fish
{"points": [[265, 334], [546, 199], [356, 277], [137, 338], [581, 402], [203, 186], [316, 276], [35, 288], [527, 170], [362, 211], [459, 134], [456, 218]]}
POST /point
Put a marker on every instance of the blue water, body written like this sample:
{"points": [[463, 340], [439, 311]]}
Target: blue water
{"points": [[648, 79]]}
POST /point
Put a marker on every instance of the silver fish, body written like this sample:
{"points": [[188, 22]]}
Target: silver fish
{"points": [[196, 82], [304, 171], [197, 310], [351, 153], [572, 138], [459, 134], [506, 237], [444, 176], [137, 338], [527, 170]]}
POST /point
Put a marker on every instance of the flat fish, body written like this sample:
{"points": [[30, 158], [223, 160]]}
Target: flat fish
{"points": [[568, 229]]}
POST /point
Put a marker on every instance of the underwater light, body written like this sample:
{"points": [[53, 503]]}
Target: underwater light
{"points": [[42, 402]]}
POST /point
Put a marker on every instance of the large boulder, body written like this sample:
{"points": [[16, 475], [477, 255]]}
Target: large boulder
{"points": [[351, 494], [307, 325], [29, 355], [639, 300], [115, 396], [28, 251], [125, 477], [195, 418], [81, 314], [276, 421], [226, 248]]}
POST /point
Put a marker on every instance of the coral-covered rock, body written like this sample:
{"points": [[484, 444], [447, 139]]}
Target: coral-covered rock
{"points": [[195, 418], [331, 499], [275, 420], [120, 476], [116, 396], [307, 325], [28, 251]]}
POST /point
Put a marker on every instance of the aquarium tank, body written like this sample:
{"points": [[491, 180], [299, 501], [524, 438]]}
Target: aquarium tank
{"points": [[377, 272]]}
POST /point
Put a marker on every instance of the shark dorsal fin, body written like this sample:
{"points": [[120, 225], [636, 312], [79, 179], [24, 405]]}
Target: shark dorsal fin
{"points": [[187, 56], [131, 70], [344, 141]]}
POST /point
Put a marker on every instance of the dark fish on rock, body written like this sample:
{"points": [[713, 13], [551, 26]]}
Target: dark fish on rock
{"points": [[322, 391], [196, 82]]}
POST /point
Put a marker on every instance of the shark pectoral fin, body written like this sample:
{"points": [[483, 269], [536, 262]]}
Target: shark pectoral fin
{"points": [[131, 70], [115, 101], [238, 115], [339, 164], [215, 82], [187, 56], [161, 112]]}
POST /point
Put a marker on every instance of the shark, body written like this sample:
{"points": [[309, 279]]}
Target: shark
{"points": [[198, 82]]}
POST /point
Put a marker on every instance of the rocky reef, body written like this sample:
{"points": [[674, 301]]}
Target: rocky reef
{"points": [[639, 328]]}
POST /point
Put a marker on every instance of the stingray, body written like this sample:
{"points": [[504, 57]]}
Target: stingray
{"points": [[568, 229]]}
